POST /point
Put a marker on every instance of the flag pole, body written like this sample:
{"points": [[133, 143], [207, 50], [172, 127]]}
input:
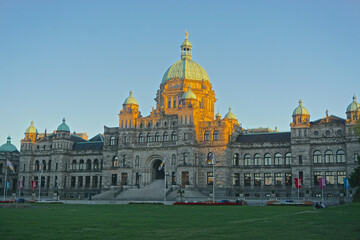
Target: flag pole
{"points": [[5, 185], [164, 184], [39, 185], [214, 178]]}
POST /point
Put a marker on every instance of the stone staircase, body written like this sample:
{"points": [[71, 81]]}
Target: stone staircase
{"points": [[151, 192]]}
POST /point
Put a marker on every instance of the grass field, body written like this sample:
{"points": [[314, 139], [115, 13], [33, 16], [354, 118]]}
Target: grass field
{"points": [[178, 222]]}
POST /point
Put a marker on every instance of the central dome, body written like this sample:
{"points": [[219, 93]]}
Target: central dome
{"points": [[186, 68]]}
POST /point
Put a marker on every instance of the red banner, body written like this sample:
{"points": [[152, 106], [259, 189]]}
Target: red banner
{"points": [[21, 185], [322, 182], [33, 184], [298, 182]]}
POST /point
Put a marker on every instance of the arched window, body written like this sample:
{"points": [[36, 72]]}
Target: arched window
{"points": [[36, 165], [88, 164], [174, 136], [157, 137], [166, 137], [73, 165], [141, 137], [215, 135], [148, 137], [267, 159], [247, 160], [236, 159], [173, 159], [43, 165], [137, 160], [49, 165], [288, 158], [329, 157], [115, 161], [317, 157], [125, 138], [340, 156], [257, 160], [278, 159], [185, 157], [96, 164], [112, 141], [81, 164], [206, 136]]}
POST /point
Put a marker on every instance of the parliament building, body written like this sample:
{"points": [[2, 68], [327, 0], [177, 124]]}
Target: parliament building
{"points": [[181, 130]]}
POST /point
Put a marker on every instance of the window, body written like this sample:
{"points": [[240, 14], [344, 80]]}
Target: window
{"points": [[356, 157], [137, 160], [73, 180], [329, 157], [317, 175], [80, 181], [267, 159], [209, 157], [112, 141], [95, 181], [49, 165], [157, 137], [339, 132], [300, 160], [278, 159], [316, 133], [329, 178], [247, 179], [125, 138], [87, 181], [207, 136], [148, 137], [247, 160], [317, 157], [73, 165], [278, 179], [48, 182], [210, 178], [113, 179], [257, 160], [288, 159], [88, 164], [96, 164], [340, 156], [257, 179], [236, 179], [288, 179], [216, 136], [340, 177], [173, 178], [124, 161], [81, 164], [236, 159], [124, 177], [43, 165], [174, 136], [327, 133], [36, 165], [141, 137], [165, 137], [173, 159], [185, 156], [267, 177], [115, 161]]}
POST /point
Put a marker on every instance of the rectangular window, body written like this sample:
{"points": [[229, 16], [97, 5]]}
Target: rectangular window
{"points": [[329, 178], [317, 175], [42, 181], [124, 177], [80, 181], [247, 161], [210, 178], [257, 160], [300, 160], [288, 179], [247, 179], [288, 159], [236, 179], [173, 178], [36, 179], [356, 157], [267, 160], [278, 179], [257, 179], [113, 179], [95, 181], [73, 181], [48, 182], [87, 181], [340, 177], [267, 177]]}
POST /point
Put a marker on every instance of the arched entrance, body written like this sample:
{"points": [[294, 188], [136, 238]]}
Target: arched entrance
{"points": [[159, 174]]}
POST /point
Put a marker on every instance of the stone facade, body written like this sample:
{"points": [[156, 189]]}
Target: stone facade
{"points": [[181, 131]]}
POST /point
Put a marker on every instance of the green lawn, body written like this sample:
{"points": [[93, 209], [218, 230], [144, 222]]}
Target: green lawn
{"points": [[178, 222]]}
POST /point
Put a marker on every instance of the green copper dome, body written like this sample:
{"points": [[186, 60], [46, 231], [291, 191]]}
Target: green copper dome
{"points": [[186, 68], [300, 110], [63, 127], [189, 94], [31, 129], [8, 147], [230, 115], [354, 106], [130, 99]]}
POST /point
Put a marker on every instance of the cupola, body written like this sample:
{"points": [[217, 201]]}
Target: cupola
{"points": [[130, 99], [63, 127], [300, 115], [8, 146], [31, 133], [230, 115], [353, 111]]}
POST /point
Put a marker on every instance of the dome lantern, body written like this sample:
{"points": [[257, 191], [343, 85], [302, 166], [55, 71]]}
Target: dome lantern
{"points": [[189, 94], [301, 116], [130, 99], [353, 111], [230, 115], [186, 48], [63, 127]]}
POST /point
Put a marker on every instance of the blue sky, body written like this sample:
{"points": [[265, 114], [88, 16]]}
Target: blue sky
{"points": [[79, 59]]}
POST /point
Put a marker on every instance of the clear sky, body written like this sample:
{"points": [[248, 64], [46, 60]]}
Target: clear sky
{"points": [[79, 59]]}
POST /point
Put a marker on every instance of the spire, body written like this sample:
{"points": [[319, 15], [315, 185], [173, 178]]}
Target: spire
{"points": [[327, 113], [300, 102], [186, 48], [354, 97], [9, 139], [63, 120]]}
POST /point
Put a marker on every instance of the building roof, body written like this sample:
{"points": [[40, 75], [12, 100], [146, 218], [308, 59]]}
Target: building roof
{"points": [[354, 106], [189, 94], [329, 119], [300, 110], [130, 99], [8, 146], [31, 128], [264, 137], [97, 138], [63, 127], [96, 145], [230, 115]]}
